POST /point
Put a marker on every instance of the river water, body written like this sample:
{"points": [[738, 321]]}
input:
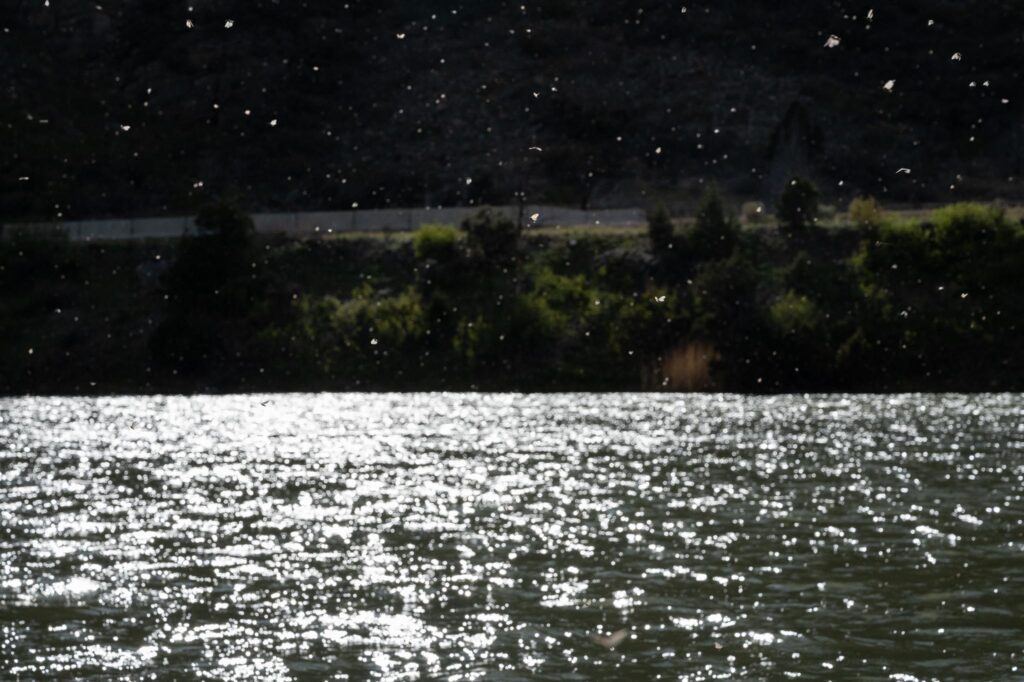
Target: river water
{"points": [[460, 536]]}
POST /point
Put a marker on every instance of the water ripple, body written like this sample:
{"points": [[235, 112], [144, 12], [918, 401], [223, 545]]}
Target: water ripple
{"points": [[456, 536]]}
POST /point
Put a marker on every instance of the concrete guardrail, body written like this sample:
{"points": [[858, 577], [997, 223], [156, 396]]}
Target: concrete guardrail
{"points": [[312, 224]]}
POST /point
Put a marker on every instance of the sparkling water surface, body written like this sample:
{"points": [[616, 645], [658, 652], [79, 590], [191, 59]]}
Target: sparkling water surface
{"points": [[461, 536]]}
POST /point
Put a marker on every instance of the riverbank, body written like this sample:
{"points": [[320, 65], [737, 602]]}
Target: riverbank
{"points": [[889, 305]]}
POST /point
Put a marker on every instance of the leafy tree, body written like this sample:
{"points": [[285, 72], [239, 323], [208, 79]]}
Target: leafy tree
{"points": [[438, 251], [660, 229], [212, 290], [220, 251], [797, 209], [794, 314], [493, 236], [802, 350], [647, 325], [865, 212], [967, 225], [941, 301], [365, 337], [714, 234], [727, 314]]}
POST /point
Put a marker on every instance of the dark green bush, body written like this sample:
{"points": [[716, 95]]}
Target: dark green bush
{"points": [[493, 237], [714, 233], [965, 227], [564, 292], [794, 314], [510, 339], [646, 325], [211, 292], [436, 242], [940, 300], [363, 336], [660, 229], [865, 212]]}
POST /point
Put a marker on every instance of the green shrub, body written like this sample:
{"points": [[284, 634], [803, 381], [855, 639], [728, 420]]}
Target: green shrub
{"points": [[511, 337], [436, 242], [396, 322], [714, 234], [829, 283], [797, 208], [897, 250], [660, 229], [360, 336], [958, 224], [644, 326], [865, 212], [564, 292], [724, 298], [793, 313], [534, 324]]}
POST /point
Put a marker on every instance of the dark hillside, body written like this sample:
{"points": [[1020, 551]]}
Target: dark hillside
{"points": [[120, 107]]}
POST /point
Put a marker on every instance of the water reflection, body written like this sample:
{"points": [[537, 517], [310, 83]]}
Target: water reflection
{"points": [[399, 537]]}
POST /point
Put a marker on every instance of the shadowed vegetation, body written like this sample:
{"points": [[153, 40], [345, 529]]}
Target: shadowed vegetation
{"points": [[879, 304]]}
